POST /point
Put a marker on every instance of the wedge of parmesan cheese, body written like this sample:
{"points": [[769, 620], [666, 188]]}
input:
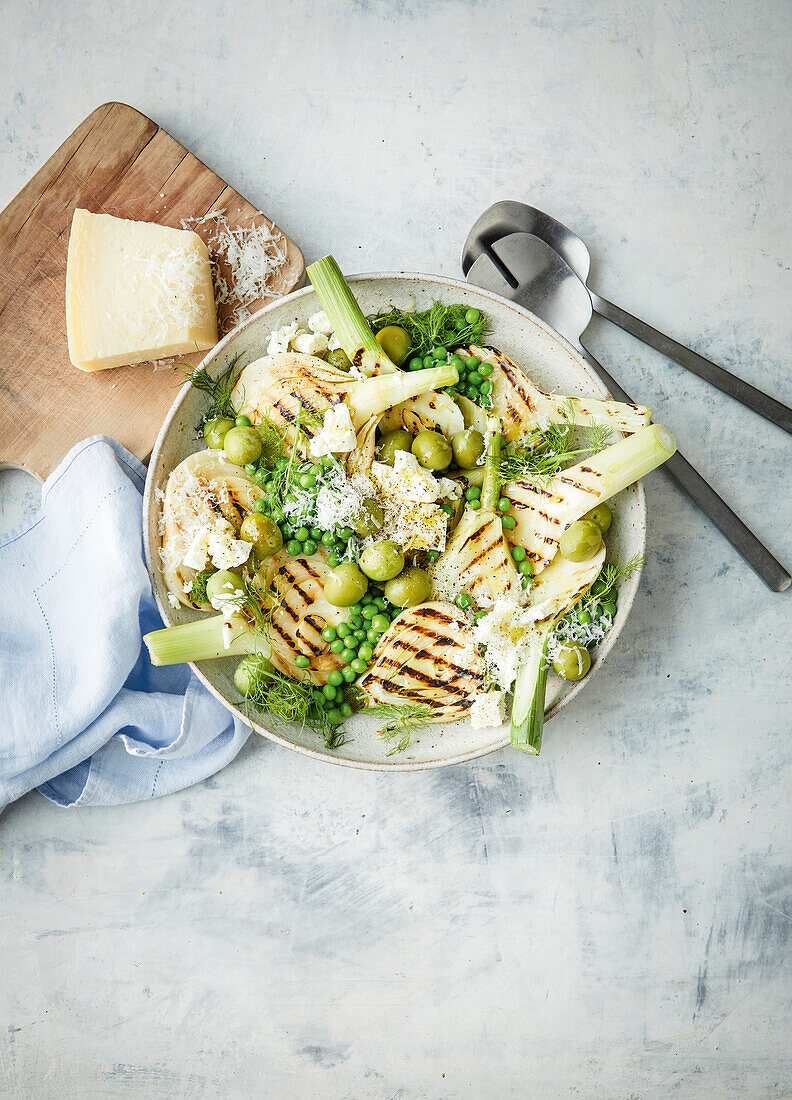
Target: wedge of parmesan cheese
{"points": [[136, 291]]}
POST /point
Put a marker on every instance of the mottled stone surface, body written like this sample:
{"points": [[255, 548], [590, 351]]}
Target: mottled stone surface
{"points": [[612, 919]]}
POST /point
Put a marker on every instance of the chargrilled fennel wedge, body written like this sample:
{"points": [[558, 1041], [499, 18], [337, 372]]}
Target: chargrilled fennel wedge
{"points": [[543, 512], [522, 406], [426, 656], [201, 491], [428, 411], [477, 559], [359, 461], [290, 389], [292, 612], [557, 590]]}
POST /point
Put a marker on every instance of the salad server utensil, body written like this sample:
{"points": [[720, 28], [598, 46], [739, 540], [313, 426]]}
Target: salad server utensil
{"points": [[526, 269], [506, 217]]}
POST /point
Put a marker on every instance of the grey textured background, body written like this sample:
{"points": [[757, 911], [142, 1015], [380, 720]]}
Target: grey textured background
{"points": [[612, 919]]}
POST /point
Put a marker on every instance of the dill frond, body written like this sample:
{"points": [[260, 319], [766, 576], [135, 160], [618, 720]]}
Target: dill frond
{"points": [[217, 389], [438, 326], [402, 721]]}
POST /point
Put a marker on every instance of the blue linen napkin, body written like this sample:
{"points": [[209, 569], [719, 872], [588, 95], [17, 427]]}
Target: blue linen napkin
{"points": [[86, 718]]}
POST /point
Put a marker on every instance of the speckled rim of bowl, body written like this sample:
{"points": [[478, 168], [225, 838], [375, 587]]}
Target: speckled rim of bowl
{"points": [[626, 595]]}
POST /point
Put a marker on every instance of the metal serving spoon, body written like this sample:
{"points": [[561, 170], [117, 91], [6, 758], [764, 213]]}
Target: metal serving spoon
{"points": [[503, 218], [527, 270]]}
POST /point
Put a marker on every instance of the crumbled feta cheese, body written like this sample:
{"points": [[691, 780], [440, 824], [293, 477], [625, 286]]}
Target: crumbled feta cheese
{"points": [[187, 587], [334, 344], [280, 340], [320, 322], [487, 710], [216, 544], [408, 480], [173, 600], [310, 343], [503, 631], [225, 550], [337, 435]]}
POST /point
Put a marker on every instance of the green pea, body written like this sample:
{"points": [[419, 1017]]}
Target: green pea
{"points": [[382, 561], [359, 636], [458, 362], [472, 362], [581, 541], [473, 493], [432, 450], [474, 504], [485, 370], [504, 504], [333, 559], [601, 515], [439, 353], [242, 445], [475, 378], [359, 665], [372, 635], [356, 609], [472, 316], [344, 585], [278, 515], [395, 342], [411, 587], [508, 523], [518, 553], [346, 533], [416, 363], [334, 716], [348, 655], [429, 361], [346, 710], [349, 675], [310, 547], [525, 568], [242, 421], [302, 662], [261, 477], [583, 616], [485, 389], [343, 630], [294, 547], [251, 468], [365, 652], [328, 691], [307, 481], [380, 623], [572, 661], [328, 538], [432, 555], [216, 430], [355, 620], [381, 603], [338, 645], [302, 533], [598, 587], [463, 600], [335, 679], [609, 608], [369, 611]]}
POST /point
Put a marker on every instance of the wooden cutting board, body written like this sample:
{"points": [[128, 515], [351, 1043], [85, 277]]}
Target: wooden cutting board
{"points": [[116, 162]]}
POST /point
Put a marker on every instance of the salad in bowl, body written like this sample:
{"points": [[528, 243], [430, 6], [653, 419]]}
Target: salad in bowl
{"points": [[391, 526]]}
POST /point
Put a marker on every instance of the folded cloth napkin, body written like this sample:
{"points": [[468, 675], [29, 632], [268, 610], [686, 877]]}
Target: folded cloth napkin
{"points": [[86, 718]]}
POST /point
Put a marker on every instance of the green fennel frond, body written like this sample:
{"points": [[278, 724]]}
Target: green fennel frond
{"points": [[402, 721], [218, 388], [440, 326]]}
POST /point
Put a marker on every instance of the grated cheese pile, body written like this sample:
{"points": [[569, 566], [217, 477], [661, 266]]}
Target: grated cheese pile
{"points": [[255, 257]]}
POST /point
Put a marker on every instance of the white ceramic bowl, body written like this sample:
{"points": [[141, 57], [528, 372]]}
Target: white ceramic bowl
{"points": [[550, 361]]}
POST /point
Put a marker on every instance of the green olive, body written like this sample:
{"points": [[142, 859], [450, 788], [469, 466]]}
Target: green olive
{"points": [[370, 519], [468, 447], [412, 586], [224, 583], [242, 445], [263, 532], [247, 671], [345, 585], [432, 450], [215, 431], [339, 359], [395, 342], [392, 442], [581, 540], [572, 661], [601, 515], [383, 561]]}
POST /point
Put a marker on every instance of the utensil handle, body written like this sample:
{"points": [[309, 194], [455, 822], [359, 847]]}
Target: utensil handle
{"points": [[712, 505], [723, 380]]}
